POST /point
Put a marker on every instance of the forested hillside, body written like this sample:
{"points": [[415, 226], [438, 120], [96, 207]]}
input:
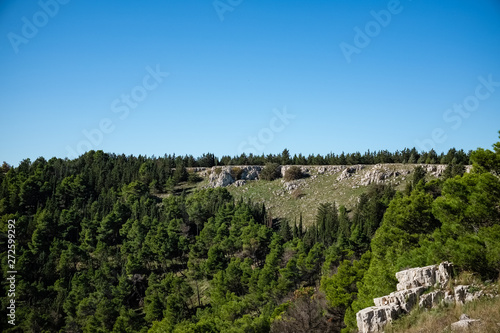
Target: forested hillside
{"points": [[98, 250]]}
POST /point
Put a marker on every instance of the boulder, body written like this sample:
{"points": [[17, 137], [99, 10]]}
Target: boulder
{"points": [[349, 171], [373, 319], [239, 182], [224, 179], [425, 276], [290, 186], [416, 277], [221, 176], [464, 323]]}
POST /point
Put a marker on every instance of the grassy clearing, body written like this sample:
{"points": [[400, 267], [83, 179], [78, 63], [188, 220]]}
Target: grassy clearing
{"points": [[311, 191], [316, 189]]}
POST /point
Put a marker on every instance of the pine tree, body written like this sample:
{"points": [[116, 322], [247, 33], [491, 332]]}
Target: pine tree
{"points": [[285, 231], [285, 157], [301, 228], [295, 230]]}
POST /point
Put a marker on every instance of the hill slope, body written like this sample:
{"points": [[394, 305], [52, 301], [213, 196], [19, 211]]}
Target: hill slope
{"points": [[340, 183]]}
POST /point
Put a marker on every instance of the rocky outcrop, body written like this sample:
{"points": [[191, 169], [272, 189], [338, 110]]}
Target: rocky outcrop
{"points": [[429, 300], [464, 323], [435, 170], [225, 175], [424, 276], [411, 291], [373, 319], [403, 299], [222, 179], [349, 171], [360, 175], [239, 182], [381, 173], [291, 185], [412, 283], [464, 294]]}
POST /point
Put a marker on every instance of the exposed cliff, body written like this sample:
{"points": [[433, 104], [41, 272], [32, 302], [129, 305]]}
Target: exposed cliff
{"points": [[342, 184], [362, 174], [413, 290]]}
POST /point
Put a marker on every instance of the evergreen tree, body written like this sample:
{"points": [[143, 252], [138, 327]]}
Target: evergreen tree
{"points": [[285, 157]]}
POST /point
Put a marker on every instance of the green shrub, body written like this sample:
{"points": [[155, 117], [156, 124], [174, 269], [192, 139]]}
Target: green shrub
{"points": [[293, 173], [194, 178], [271, 171], [236, 173]]}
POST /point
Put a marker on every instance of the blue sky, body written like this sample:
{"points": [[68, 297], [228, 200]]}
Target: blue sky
{"points": [[247, 76]]}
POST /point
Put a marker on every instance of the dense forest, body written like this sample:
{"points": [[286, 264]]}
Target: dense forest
{"points": [[98, 250], [383, 156], [159, 166]]}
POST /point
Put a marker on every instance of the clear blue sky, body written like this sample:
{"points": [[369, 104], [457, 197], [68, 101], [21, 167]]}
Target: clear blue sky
{"points": [[233, 65]]}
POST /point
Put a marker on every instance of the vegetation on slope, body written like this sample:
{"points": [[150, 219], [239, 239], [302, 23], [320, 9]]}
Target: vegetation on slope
{"points": [[99, 251], [439, 319], [312, 191]]}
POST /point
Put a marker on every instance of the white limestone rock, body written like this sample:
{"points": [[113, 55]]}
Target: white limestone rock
{"points": [[405, 299], [425, 276], [431, 299], [463, 295], [239, 182], [412, 284], [443, 273], [464, 323], [373, 319], [251, 172], [349, 171], [416, 277]]}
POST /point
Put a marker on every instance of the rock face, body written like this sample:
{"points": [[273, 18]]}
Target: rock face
{"points": [[380, 173], [224, 176], [424, 276], [374, 318], [362, 175], [404, 299], [410, 292], [349, 172], [463, 294], [427, 301]]}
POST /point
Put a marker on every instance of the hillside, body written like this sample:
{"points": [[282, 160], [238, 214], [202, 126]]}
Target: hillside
{"points": [[110, 243], [342, 184]]}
